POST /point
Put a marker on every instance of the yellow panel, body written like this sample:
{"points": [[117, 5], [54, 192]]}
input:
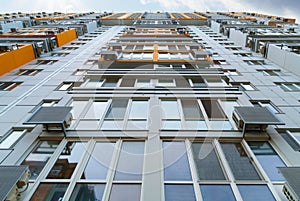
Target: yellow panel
{"points": [[65, 37], [13, 59]]}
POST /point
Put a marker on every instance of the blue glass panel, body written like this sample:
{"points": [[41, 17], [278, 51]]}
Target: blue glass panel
{"points": [[87, 192], [179, 192], [217, 193], [255, 192], [176, 162]]}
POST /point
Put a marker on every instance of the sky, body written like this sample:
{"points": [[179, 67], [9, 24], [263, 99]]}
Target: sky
{"points": [[285, 8]]}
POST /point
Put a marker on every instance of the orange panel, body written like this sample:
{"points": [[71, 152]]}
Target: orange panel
{"points": [[65, 37], [13, 59]]}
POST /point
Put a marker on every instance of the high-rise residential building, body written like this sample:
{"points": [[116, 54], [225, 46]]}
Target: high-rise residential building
{"points": [[149, 106]]}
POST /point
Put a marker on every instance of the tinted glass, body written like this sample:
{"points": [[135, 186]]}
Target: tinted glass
{"points": [[207, 162], [170, 109], [255, 192], [39, 156], [99, 161], [268, 159], [138, 110], [87, 192], [117, 109], [213, 109], [125, 192], [179, 192], [191, 109], [241, 167], [67, 161], [49, 192], [176, 165], [96, 110], [130, 164], [217, 193]]}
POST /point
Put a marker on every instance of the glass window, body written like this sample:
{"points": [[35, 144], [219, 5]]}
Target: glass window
{"points": [[143, 83], [65, 86], [166, 83], [130, 164], [67, 161], [268, 159], [267, 105], [77, 107], [171, 124], [176, 164], [293, 139], [139, 109], [99, 161], [220, 125], [248, 87], [87, 192], [207, 162], [198, 82], [94, 83], [241, 167], [179, 192], [196, 125], [136, 124], [11, 139], [125, 192], [96, 110], [191, 109], [51, 192], [213, 109], [217, 192], [110, 124], [87, 125], [39, 156], [255, 192], [170, 109], [117, 109], [110, 82]]}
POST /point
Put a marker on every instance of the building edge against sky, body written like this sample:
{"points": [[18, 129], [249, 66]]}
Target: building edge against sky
{"points": [[149, 106]]}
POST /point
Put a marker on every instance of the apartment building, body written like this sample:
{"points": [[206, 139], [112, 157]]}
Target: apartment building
{"points": [[152, 106]]}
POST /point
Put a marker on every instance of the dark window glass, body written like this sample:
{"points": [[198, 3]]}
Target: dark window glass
{"points": [[217, 192], [130, 164], [117, 109], [255, 192], [125, 192], [49, 192], [67, 161], [87, 192], [39, 156], [99, 161], [213, 109], [191, 109], [127, 82], [110, 82], [268, 159], [176, 165], [179, 192], [207, 162], [241, 167]]}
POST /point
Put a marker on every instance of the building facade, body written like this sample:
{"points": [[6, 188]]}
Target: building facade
{"points": [[155, 106]]}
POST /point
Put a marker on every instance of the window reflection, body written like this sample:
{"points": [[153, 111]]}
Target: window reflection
{"points": [[217, 192], [67, 161], [50, 192], [124, 192], [87, 192], [99, 161], [179, 192], [176, 165], [39, 156]]}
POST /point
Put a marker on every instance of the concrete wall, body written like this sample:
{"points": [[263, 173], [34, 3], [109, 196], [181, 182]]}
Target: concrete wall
{"points": [[288, 60], [238, 37]]}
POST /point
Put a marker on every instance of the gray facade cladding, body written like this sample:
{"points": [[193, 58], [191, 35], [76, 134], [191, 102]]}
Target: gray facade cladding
{"points": [[153, 114]]}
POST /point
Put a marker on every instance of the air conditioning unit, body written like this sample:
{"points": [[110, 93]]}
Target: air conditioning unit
{"points": [[289, 193], [236, 118]]}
